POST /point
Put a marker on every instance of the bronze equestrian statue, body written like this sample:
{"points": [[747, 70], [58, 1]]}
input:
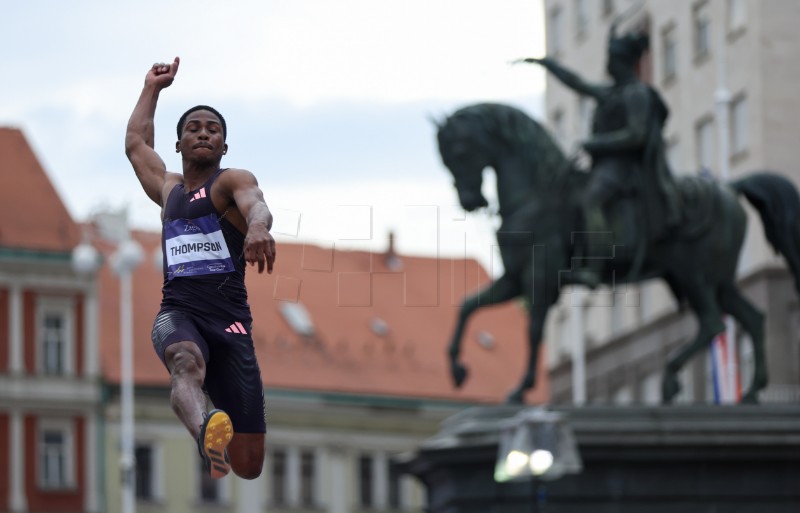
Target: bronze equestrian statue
{"points": [[542, 202]]}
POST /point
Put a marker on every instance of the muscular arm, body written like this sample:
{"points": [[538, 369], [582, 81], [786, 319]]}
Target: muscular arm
{"points": [[139, 138], [638, 109], [242, 187]]}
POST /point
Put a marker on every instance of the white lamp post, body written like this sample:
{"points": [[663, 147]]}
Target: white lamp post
{"points": [[85, 260]]}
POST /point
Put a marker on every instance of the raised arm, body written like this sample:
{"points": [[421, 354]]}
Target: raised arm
{"points": [[149, 167], [567, 77], [242, 188]]}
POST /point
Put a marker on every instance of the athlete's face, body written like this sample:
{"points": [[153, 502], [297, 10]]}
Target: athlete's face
{"points": [[202, 137]]}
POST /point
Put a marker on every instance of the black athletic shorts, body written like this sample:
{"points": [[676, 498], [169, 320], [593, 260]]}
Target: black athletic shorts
{"points": [[233, 378]]}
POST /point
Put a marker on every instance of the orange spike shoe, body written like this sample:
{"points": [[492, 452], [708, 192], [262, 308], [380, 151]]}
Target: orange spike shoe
{"points": [[215, 435]]}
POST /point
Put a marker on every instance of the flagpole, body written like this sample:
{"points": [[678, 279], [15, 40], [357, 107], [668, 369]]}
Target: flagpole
{"points": [[722, 97]]}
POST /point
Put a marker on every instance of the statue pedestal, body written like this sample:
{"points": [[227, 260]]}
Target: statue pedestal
{"points": [[683, 459]]}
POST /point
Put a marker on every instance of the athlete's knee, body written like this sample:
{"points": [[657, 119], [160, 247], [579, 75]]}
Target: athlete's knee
{"points": [[249, 471], [246, 453], [184, 360], [248, 465]]}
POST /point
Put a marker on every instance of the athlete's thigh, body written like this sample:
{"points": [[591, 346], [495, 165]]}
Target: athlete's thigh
{"points": [[233, 377], [173, 326]]}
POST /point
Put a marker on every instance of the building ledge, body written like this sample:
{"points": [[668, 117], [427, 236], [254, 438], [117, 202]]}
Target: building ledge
{"points": [[61, 393]]}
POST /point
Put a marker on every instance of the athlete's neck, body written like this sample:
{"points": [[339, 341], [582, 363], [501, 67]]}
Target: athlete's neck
{"points": [[196, 174]]}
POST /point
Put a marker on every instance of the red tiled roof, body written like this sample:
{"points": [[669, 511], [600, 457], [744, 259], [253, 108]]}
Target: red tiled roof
{"points": [[344, 291], [33, 213]]}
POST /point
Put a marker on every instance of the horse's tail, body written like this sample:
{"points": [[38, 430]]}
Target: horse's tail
{"points": [[778, 203]]}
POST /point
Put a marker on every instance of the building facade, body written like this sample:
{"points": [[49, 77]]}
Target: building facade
{"points": [[50, 392], [726, 69]]}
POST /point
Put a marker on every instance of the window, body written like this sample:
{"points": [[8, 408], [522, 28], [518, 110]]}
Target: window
{"points": [[145, 472], [669, 58], [554, 32], [365, 482], [737, 14], [581, 18], [739, 125], [701, 22], [54, 334], [278, 470], [298, 318], [307, 478], [56, 466], [485, 339], [704, 135]]}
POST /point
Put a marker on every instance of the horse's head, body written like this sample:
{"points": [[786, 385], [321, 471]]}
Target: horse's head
{"points": [[465, 155]]}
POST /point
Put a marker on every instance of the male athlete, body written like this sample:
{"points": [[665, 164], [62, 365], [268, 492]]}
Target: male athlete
{"points": [[214, 220]]}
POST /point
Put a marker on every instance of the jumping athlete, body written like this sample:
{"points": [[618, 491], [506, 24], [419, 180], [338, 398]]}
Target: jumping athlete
{"points": [[214, 222]]}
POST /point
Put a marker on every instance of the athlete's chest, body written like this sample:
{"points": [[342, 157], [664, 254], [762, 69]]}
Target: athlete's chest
{"points": [[191, 204]]}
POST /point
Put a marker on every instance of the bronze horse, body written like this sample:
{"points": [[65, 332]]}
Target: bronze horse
{"points": [[538, 191]]}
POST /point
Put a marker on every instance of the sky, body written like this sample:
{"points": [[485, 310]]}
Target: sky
{"points": [[329, 104]]}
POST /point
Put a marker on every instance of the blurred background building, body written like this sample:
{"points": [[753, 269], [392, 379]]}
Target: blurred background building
{"points": [[50, 387], [352, 346], [727, 70]]}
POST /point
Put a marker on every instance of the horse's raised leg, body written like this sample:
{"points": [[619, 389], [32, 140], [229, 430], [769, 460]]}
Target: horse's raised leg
{"points": [[752, 322], [537, 316], [702, 300], [503, 289]]}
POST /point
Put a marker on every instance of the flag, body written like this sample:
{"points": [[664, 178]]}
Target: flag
{"points": [[725, 369]]}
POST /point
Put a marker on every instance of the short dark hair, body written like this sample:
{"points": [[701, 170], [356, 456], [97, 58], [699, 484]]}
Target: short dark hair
{"points": [[182, 120]]}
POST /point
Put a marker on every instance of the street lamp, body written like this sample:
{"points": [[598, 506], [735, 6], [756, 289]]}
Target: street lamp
{"points": [[536, 444], [86, 260]]}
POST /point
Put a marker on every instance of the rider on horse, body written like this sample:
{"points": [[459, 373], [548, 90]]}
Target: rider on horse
{"points": [[626, 146]]}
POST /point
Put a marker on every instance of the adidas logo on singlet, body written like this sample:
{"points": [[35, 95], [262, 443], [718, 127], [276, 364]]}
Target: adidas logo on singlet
{"points": [[199, 194], [236, 327]]}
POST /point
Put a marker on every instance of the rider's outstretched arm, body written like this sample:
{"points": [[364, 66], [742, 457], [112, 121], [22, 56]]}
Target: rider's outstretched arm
{"points": [[568, 77]]}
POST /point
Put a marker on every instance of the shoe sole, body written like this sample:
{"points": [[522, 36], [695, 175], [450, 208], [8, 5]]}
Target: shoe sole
{"points": [[217, 433]]}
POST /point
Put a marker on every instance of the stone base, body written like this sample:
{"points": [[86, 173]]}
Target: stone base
{"points": [[683, 459]]}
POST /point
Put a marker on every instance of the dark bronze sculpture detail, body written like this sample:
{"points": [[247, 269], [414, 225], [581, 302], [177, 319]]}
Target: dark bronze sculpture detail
{"points": [[626, 146], [541, 198]]}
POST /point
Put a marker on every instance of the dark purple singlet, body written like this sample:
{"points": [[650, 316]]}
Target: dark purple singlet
{"points": [[205, 302]]}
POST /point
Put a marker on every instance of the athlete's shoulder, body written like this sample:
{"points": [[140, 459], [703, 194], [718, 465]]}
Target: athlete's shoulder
{"points": [[233, 177], [235, 172]]}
